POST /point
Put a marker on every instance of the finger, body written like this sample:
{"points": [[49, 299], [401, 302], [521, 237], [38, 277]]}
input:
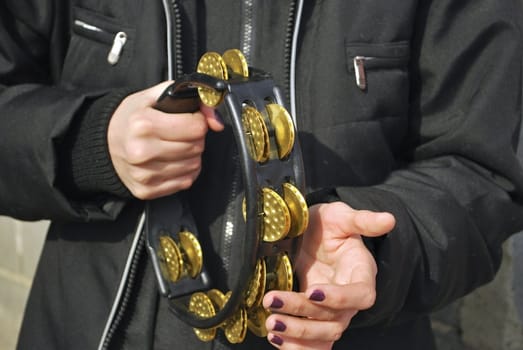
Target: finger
{"points": [[281, 342], [322, 302], [153, 173], [153, 93], [163, 189], [142, 151], [155, 187], [371, 224], [358, 295], [297, 304], [214, 121], [288, 327], [350, 221], [168, 151], [172, 127]]}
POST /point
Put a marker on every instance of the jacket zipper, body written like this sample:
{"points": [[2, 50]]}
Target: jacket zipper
{"points": [[293, 55], [173, 23], [362, 64], [121, 299], [247, 38], [246, 44], [289, 36], [359, 71], [120, 302], [247, 35], [116, 40], [116, 49], [178, 62]]}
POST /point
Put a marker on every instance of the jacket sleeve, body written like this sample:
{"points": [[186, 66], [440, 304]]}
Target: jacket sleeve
{"points": [[41, 120], [458, 196]]}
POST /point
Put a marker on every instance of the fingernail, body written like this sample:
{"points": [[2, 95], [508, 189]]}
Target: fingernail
{"points": [[276, 340], [277, 303], [218, 116], [317, 295], [279, 326]]}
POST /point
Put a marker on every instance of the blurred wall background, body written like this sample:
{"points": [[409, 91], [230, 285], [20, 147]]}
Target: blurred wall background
{"points": [[20, 246]]}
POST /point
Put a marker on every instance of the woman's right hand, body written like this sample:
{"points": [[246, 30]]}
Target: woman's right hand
{"points": [[155, 153]]}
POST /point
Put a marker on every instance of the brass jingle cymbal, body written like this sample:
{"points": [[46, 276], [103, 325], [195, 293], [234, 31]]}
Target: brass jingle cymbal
{"points": [[283, 269], [257, 133], [201, 305], [256, 321], [235, 327], [276, 216], [297, 208], [236, 62], [256, 289], [244, 209], [193, 253], [217, 297], [170, 258], [211, 63], [283, 127]]}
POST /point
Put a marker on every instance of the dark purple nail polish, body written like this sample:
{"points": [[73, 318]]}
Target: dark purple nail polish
{"points": [[279, 326], [317, 295], [277, 303], [276, 340], [218, 116]]}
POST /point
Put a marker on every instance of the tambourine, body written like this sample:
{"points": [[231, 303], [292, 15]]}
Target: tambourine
{"points": [[269, 215]]}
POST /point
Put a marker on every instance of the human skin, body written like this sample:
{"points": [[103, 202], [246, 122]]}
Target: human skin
{"points": [[155, 153], [337, 277]]}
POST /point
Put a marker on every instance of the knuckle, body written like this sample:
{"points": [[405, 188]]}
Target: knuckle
{"points": [[199, 128], [195, 174], [141, 177], [300, 331], [185, 184], [198, 147], [140, 125], [337, 330], [141, 192], [137, 152], [194, 166], [369, 298], [300, 309], [186, 181]]}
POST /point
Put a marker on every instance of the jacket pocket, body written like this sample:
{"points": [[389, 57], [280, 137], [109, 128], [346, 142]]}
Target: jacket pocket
{"points": [[363, 59], [380, 73], [99, 52]]}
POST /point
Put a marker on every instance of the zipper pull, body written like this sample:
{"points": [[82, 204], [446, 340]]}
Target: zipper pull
{"points": [[116, 50], [359, 72]]}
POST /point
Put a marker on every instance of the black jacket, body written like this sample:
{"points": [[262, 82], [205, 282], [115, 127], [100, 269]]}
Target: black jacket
{"points": [[430, 137]]}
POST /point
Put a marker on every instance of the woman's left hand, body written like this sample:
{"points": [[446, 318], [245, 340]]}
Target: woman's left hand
{"points": [[337, 276]]}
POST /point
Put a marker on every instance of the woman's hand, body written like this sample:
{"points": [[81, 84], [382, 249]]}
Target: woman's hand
{"points": [[156, 153], [337, 276]]}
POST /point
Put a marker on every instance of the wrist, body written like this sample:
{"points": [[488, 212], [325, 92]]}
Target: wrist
{"points": [[86, 162]]}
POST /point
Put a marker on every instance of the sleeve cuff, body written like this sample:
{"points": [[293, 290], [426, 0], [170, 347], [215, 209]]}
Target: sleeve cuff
{"points": [[88, 166]]}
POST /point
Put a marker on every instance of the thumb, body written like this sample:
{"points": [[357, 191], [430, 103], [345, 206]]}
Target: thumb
{"points": [[154, 92], [372, 224], [348, 221]]}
